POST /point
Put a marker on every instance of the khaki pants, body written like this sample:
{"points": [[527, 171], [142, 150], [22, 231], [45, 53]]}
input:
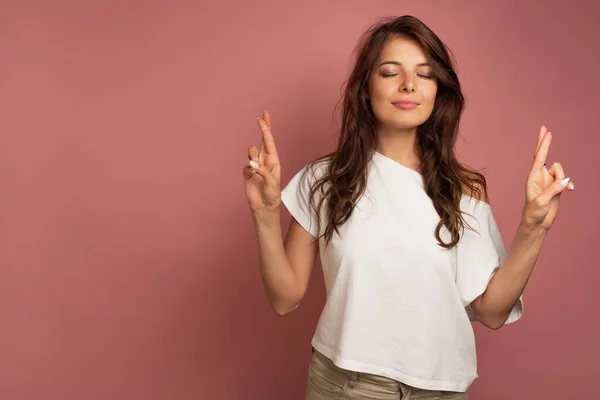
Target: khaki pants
{"points": [[326, 381]]}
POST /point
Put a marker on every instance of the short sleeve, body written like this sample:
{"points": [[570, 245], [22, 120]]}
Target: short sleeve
{"points": [[295, 197], [479, 255]]}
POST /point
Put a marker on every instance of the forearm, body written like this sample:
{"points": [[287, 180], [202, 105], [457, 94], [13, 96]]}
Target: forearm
{"points": [[277, 274], [509, 282]]}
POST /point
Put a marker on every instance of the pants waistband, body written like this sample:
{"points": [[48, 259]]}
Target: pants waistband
{"points": [[355, 375]]}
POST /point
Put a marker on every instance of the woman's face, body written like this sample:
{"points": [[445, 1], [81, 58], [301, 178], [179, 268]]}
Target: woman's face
{"points": [[401, 73]]}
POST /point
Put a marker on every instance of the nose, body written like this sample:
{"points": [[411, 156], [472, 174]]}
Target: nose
{"points": [[408, 85]]}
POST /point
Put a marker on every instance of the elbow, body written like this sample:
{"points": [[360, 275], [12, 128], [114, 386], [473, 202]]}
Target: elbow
{"points": [[285, 306], [282, 311], [488, 318], [492, 323], [495, 326]]}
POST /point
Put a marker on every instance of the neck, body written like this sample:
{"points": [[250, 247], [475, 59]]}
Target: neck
{"points": [[399, 145]]}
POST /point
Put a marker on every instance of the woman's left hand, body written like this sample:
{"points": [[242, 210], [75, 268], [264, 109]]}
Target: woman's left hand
{"points": [[544, 187]]}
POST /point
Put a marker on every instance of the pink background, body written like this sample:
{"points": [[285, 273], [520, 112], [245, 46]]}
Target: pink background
{"points": [[128, 262]]}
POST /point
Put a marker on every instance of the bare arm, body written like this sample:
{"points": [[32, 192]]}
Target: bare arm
{"points": [[285, 267], [493, 307], [543, 191]]}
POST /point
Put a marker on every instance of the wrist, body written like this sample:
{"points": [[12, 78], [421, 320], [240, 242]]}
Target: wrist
{"points": [[265, 214], [532, 229]]}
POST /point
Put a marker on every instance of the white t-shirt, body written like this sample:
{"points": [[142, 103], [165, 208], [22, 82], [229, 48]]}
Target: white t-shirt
{"points": [[398, 304]]}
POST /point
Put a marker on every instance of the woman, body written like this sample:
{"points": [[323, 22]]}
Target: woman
{"points": [[410, 249]]}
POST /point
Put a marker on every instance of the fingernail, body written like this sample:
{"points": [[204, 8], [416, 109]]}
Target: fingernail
{"points": [[571, 186], [565, 181], [254, 164]]}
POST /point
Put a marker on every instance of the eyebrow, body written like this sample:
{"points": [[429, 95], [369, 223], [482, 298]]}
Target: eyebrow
{"points": [[397, 63]]}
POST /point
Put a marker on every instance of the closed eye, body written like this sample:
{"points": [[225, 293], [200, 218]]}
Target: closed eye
{"points": [[391, 75]]}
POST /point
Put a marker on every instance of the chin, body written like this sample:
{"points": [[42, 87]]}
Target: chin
{"points": [[405, 123]]}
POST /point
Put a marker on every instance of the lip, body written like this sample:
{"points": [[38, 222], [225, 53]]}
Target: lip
{"points": [[405, 104]]}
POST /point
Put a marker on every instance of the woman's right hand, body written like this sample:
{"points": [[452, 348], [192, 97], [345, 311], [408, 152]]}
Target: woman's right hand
{"points": [[263, 175]]}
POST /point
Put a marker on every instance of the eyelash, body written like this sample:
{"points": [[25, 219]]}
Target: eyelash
{"points": [[390, 75]]}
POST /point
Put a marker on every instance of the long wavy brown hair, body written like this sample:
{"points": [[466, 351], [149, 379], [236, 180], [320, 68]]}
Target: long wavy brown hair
{"points": [[344, 179]]}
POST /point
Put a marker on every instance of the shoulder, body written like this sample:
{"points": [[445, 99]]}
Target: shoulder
{"points": [[477, 187], [306, 177], [319, 166], [314, 170]]}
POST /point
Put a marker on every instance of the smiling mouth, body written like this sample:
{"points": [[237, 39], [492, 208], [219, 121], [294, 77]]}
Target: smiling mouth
{"points": [[405, 105]]}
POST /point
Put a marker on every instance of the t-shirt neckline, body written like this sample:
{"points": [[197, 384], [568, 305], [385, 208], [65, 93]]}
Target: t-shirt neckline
{"points": [[389, 160]]}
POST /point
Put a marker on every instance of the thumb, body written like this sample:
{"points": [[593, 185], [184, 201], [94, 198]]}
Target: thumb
{"points": [[555, 189], [247, 172]]}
